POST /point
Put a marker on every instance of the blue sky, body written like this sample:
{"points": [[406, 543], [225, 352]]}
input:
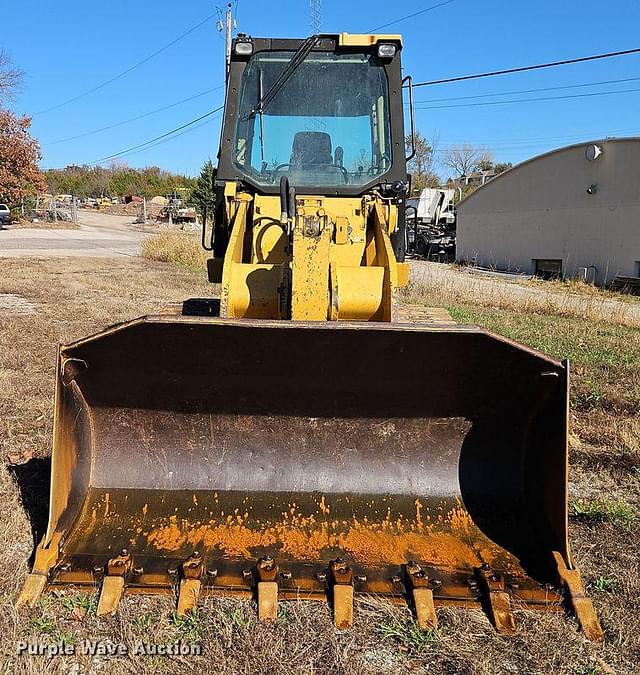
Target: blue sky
{"points": [[66, 48]]}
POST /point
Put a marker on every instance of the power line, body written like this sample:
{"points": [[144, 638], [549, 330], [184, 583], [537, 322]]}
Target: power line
{"points": [[523, 69], [526, 139], [528, 100], [127, 71], [410, 16], [529, 91], [157, 138], [132, 119], [166, 140]]}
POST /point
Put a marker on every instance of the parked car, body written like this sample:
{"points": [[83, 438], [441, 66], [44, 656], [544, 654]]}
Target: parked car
{"points": [[5, 215]]}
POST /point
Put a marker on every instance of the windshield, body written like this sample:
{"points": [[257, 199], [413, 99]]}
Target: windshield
{"points": [[328, 125]]}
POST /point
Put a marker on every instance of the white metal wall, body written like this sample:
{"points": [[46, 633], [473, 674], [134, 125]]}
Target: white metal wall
{"points": [[541, 209]]}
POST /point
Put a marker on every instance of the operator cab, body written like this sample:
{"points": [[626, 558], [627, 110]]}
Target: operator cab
{"points": [[325, 112]]}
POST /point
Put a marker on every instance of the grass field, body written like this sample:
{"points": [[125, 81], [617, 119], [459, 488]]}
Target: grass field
{"points": [[67, 299]]}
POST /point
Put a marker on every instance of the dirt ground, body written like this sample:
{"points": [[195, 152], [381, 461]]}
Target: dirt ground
{"points": [[97, 235], [51, 301]]}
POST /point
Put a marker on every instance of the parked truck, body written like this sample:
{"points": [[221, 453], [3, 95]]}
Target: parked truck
{"points": [[431, 224]]}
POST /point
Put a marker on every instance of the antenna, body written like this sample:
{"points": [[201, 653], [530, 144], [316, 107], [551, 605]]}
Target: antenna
{"points": [[315, 20]]}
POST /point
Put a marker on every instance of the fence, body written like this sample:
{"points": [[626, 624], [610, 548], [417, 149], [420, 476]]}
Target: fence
{"points": [[49, 209]]}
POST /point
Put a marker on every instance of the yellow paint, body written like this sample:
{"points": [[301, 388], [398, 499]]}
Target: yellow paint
{"points": [[335, 262], [357, 293], [310, 269]]}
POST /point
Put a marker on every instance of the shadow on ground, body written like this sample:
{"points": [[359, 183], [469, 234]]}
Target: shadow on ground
{"points": [[33, 479]]}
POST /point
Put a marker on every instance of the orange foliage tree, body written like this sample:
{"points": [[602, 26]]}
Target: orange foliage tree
{"points": [[19, 155]]}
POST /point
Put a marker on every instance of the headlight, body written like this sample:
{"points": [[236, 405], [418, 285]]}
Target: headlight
{"points": [[244, 48], [386, 51]]}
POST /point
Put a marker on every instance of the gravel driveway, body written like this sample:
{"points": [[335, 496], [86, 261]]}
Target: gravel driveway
{"points": [[100, 235]]}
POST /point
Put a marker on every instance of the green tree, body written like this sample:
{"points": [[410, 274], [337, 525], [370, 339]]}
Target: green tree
{"points": [[499, 167], [204, 193], [115, 181]]}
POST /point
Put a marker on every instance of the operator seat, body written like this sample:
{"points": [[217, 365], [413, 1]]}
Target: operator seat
{"points": [[312, 160], [311, 148]]}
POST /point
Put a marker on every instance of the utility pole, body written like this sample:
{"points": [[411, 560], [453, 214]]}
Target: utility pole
{"points": [[228, 22]]}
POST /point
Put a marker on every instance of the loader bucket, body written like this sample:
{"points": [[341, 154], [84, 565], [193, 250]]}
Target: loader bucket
{"points": [[388, 448]]}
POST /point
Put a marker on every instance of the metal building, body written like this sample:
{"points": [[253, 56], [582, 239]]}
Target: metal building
{"points": [[572, 212]]}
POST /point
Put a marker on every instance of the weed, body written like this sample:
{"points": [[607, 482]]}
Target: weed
{"points": [[407, 635], [47, 626], [189, 625], [143, 622], [43, 624], [610, 584], [45, 601], [589, 400], [66, 637], [615, 511], [589, 669], [284, 615], [80, 601], [239, 618]]}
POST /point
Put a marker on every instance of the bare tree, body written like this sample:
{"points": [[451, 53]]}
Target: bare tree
{"points": [[10, 77], [465, 159], [421, 166]]}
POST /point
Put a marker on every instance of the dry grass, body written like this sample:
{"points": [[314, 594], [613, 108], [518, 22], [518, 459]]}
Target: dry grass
{"points": [[445, 285], [44, 225], [182, 248], [580, 287], [75, 297]]}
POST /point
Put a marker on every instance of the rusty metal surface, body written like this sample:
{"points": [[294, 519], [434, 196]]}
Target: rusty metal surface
{"points": [[375, 444], [581, 604], [497, 599]]}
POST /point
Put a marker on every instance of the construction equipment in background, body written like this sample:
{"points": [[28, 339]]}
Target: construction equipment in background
{"points": [[103, 203], [176, 210], [290, 440], [431, 224]]}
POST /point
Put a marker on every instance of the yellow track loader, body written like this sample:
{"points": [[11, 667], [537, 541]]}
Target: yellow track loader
{"points": [[290, 439]]}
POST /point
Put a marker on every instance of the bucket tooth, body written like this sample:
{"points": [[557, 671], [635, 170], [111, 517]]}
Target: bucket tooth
{"points": [[31, 590], [192, 570], [497, 600], [580, 602], [45, 558], [342, 581], [421, 597], [113, 584], [267, 589], [110, 595]]}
